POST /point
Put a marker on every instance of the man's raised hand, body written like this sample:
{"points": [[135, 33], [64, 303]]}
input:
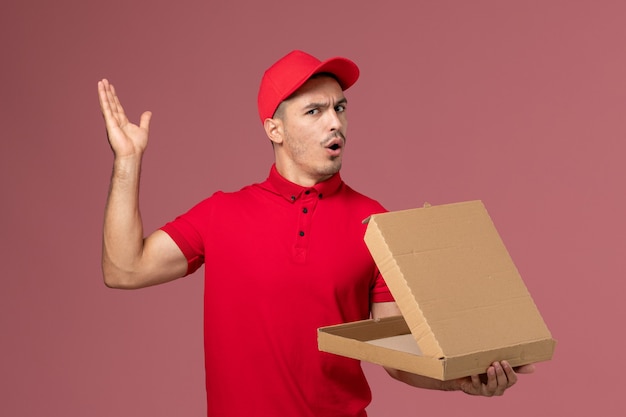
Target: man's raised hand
{"points": [[126, 139]]}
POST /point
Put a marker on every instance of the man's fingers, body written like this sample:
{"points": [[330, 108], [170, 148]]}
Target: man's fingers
{"points": [[112, 109], [505, 377], [525, 369], [108, 98], [492, 381], [102, 96], [510, 373], [502, 378], [107, 103], [117, 106], [499, 377], [144, 121]]}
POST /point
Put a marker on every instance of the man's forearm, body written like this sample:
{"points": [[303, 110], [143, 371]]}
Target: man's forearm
{"points": [[420, 381], [123, 229]]}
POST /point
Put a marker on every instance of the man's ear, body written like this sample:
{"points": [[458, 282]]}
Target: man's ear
{"points": [[274, 130]]}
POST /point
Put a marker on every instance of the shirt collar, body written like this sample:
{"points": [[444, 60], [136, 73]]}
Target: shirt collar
{"points": [[292, 192]]}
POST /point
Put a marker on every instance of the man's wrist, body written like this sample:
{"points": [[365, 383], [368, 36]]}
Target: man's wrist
{"points": [[452, 385], [126, 167]]}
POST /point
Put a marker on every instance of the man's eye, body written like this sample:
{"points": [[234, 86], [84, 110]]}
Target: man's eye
{"points": [[340, 108], [312, 111]]}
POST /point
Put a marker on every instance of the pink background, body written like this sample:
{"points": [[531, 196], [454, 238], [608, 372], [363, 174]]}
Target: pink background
{"points": [[518, 103]]}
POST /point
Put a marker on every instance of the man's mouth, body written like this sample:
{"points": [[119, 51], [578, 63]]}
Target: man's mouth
{"points": [[335, 143]]}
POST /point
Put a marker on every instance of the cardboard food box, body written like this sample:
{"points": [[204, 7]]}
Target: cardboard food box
{"points": [[463, 303]]}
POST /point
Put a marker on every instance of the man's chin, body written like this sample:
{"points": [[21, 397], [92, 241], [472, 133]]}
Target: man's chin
{"points": [[333, 167]]}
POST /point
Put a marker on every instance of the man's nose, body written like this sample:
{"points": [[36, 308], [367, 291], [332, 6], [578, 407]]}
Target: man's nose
{"points": [[336, 121]]}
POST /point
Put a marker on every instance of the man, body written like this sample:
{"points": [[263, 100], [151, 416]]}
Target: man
{"points": [[282, 257]]}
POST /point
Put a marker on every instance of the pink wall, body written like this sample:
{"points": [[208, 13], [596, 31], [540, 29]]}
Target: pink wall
{"points": [[520, 104]]}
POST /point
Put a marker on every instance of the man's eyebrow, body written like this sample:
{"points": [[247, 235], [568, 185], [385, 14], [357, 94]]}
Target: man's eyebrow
{"points": [[342, 101]]}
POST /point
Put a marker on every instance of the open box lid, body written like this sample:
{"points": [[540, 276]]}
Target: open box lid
{"points": [[453, 279]]}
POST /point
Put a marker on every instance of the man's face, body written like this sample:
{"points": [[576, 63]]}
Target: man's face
{"points": [[313, 132]]}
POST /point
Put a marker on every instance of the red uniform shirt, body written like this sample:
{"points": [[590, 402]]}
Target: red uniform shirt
{"points": [[281, 260]]}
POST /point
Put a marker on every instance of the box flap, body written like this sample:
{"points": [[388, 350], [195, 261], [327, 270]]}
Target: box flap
{"points": [[453, 279]]}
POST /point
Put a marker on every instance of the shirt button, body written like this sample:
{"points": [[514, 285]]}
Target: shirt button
{"points": [[305, 210], [301, 233], [320, 196], [293, 198], [307, 192]]}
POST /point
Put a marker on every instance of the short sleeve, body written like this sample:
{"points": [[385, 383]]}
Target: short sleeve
{"points": [[380, 292], [188, 232]]}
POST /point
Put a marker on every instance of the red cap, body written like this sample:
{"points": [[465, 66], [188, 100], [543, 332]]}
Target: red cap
{"points": [[291, 71]]}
